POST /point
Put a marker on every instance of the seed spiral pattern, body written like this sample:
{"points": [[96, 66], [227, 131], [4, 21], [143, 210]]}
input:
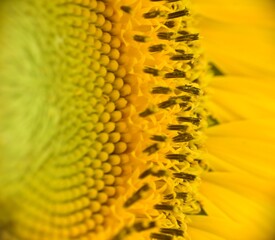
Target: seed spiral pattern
{"points": [[69, 196], [118, 118]]}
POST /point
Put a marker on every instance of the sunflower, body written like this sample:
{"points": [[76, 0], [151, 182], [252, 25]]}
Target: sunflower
{"points": [[137, 119]]}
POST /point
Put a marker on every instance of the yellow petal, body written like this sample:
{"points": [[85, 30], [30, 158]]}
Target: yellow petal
{"points": [[251, 12], [240, 49], [248, 145], [222, 227], [253, 218], [235, 98], [196, 233], [244, 184]]}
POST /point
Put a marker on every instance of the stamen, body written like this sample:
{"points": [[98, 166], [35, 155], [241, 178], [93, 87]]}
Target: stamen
{"points": [[178, 14], [184, 98], [156, 48], [183, 137], [169, 197], [158, 138], [169, 103], [146, 173], [186, 38], [175, 74], [140, 38], [172, 231], [178, 157], [189, 89], [160, 236], [152, 71], [182, 57], [151, 149], [164, 207], [141, 226], [161, 90], [170, 1], [195, 121], [181, 195], [136, 196], [185, 176], [126, 9], [151, 14], [177, 127], [146, 112], [170, 24], [165, 35]]}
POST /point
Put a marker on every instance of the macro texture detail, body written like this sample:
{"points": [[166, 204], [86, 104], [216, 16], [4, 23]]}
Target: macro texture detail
{"points": [[119, 121]]}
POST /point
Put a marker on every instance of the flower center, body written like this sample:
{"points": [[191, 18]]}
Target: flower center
{"points": [[106, 101], [170, 74]]}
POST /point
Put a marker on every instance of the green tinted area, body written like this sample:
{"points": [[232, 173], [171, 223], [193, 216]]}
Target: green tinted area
{"points": [[62, 101]]}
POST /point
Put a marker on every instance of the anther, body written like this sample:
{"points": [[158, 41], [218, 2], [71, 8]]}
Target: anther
{"points": [[141, 226], [189, 89], [183, 32], [170, 24], [178, 14], [175, 74], [184, 98], [159, 173], [187, 38], [183, 137], [169, 197], [193, 120], [151, 149], [146, 112], [156, 48], [177, 127], [161, 90], [151, 14], [169, 103], [151, 71], [181, 195], [180, 51], [184, 105], [172, 231], [136, 196], [185, 176], [165, 35], [160, 236], [188, 108], [177, 157], [145, 173], [158, 138], [164, 207], [140, 38], [182, 57], [126, 9]]}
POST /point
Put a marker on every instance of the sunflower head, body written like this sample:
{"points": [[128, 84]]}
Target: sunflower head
{"points": [[109, 130]]}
